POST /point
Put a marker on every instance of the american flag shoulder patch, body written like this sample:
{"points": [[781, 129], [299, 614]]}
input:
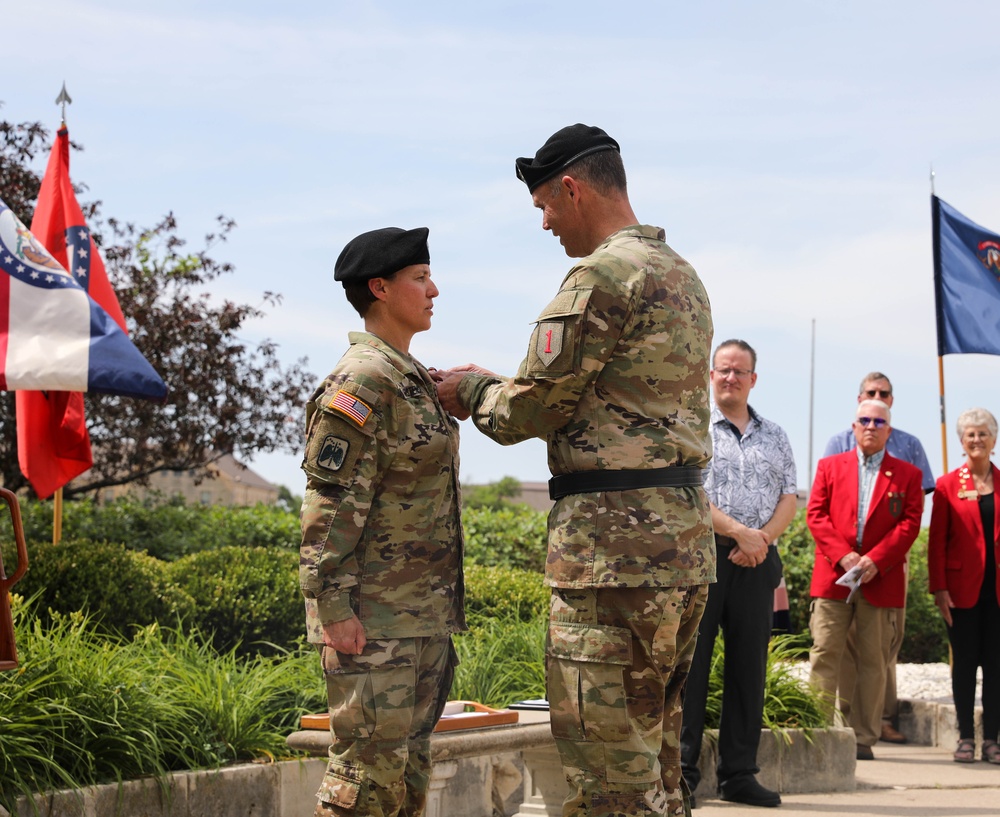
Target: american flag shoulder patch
{"points": [[347, 403]]}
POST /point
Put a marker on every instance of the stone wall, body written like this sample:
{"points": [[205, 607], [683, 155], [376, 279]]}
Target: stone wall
{"points": [[513, 771]]}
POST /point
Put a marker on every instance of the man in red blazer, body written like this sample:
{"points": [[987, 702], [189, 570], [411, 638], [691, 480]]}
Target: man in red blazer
{"points": [[864, 512]]}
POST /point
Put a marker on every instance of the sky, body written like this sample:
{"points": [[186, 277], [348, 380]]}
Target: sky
{"points": [[786, 148]]}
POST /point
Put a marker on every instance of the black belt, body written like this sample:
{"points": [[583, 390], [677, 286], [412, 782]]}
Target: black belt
{"points": [[586, 482]]}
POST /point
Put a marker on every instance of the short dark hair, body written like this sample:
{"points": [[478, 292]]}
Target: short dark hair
{"points": [[359, 294], [871, 376], [739, 344], [604, 171]]}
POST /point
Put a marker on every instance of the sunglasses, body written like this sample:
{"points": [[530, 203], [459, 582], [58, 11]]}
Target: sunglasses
{"points": [[878, 393], [878, 422]]}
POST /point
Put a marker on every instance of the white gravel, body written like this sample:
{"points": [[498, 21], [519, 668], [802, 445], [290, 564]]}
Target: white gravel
{"points": [[925, 682]]}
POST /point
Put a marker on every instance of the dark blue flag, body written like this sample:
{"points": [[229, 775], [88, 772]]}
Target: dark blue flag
{"points": [[966, 283]]}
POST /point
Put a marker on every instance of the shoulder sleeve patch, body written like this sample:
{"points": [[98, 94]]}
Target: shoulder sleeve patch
{"points": [[335, 447], [332, 452], [351, 406], [556, 339], [341, 434]]}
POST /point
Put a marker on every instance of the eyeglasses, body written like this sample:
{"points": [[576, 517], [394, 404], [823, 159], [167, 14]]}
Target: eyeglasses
{"points": [[878, 422], [734, 372], [879, 393]]}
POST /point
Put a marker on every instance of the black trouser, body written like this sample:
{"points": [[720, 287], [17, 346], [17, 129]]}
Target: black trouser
{"points": [[741, 602], [975, 642]]}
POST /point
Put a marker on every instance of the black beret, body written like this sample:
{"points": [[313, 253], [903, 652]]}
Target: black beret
{"points": [[563, 148], [380, 253]]}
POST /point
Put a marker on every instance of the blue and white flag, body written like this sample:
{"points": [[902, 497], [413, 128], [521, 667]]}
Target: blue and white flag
{"points": [[966, 283]]}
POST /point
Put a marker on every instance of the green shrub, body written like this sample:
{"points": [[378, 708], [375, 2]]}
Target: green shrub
{"points": [[502, 661], [245, 597], [494, 495], [117, 588], [161, 529], [926, 638], [505, 592], [514, 536], [258, 526], [167, 529], [238, 596], [797, 548]]}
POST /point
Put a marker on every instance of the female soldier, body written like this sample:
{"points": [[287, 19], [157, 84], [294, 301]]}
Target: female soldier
{"points": [[381, 555]]}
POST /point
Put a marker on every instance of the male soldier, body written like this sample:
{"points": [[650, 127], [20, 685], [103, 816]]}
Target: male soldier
{"points": [[751, 483], [906, 447], [381, 555], [616, 382], [864, 513]]}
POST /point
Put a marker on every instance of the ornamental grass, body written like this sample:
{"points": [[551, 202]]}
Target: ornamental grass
{"points": [[84, 708], [789, 702]]}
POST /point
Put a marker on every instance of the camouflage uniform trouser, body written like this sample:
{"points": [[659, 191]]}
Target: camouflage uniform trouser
{"points": [[384, 705], [616, 663]]}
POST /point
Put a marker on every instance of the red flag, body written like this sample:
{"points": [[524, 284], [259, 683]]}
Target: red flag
{"points": [[53, 445]]}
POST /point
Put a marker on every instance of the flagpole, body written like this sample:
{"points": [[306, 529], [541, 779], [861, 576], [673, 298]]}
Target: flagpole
{"points": [[944, 433], [812, 381], [936, 242], [57, 506], [57, 517]]}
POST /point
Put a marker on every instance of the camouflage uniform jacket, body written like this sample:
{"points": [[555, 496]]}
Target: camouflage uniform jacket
{"points": [[381, 524], [616, 377]]}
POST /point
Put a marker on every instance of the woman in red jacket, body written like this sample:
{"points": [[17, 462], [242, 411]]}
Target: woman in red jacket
{"points": [[962, 552]]}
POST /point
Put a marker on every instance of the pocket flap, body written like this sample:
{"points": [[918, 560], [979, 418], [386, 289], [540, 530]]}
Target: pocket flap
{"points": [[341, 785], [589, 642]]}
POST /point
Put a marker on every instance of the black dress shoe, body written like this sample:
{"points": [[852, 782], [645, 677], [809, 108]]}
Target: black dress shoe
{"points": [[865, 753], [748, 791]]}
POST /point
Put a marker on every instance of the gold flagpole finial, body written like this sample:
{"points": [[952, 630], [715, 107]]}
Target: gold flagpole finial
{"points": [[63, 99]]}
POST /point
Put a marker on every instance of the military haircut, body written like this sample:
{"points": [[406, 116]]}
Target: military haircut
{"points": [[739, 344], [359, 294], [604, 171]]}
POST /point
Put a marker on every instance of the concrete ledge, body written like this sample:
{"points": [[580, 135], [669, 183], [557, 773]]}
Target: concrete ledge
{"points": [[792, 761], [282, 789], [933, 723], [479, 773]]}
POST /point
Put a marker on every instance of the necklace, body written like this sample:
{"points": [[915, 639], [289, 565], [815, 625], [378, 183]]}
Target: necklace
{"points": [[972, 485]]}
